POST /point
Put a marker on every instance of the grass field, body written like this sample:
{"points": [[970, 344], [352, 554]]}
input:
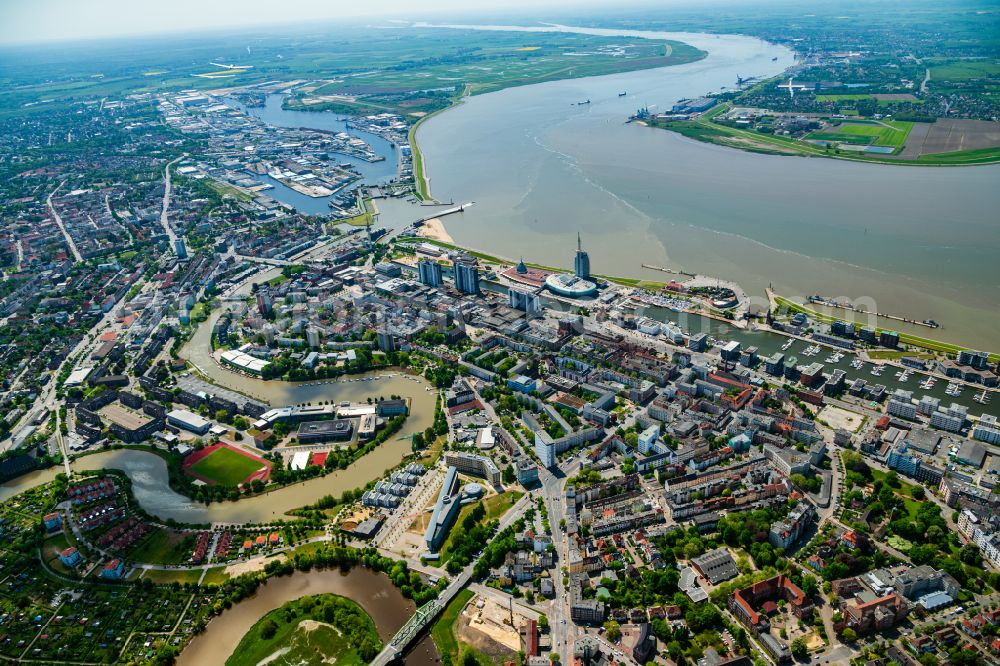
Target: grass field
{"points": [[497, 505], [160, 547], [959, 71], [885, 133], [225, 467], [215, 576], [847, 97], [841, 98], [174, 576], [443, 629]]}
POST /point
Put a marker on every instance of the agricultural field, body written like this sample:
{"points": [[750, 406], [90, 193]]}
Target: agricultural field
{"points": [[410, 70], [427, 84], [963, 70], [224, 466], [841, 98], [877, 133]]}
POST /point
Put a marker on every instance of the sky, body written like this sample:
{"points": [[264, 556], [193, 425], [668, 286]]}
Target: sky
{"points": [[27, 21]]}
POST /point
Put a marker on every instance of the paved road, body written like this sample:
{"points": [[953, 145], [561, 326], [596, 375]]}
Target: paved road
{"points": [[164, 220], [62, 227]]}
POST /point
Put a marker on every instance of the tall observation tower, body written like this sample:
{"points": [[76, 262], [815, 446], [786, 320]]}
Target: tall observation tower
{"points": [[581, 264]]}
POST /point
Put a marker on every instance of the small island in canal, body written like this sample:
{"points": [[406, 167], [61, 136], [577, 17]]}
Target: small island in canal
{"points": [[322, 628]]}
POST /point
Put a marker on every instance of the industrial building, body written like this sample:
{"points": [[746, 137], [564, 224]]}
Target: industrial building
{"points": [[190, 421]]}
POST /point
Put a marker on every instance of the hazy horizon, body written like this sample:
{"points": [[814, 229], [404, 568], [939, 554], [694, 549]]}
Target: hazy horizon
{"points": [[51, 21]]}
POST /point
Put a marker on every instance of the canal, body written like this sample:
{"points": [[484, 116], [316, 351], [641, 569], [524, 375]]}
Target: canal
{"points": [[373, 591]]}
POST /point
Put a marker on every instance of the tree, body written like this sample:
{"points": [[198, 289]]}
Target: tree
{"points": [[848, 635], [809, 586], [613, 629], [799, 648], [268, 629], [970, 555], [543, 621], [917, 492]]}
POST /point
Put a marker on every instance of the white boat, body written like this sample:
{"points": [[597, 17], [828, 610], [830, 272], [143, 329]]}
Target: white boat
{"points": [[982, 398], [787, 345], [857, 363]]}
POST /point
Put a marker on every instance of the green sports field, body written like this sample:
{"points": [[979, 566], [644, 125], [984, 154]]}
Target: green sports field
{"points": [[884, 133], [225, 467]]}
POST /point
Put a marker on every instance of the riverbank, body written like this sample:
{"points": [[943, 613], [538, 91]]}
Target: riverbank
{"points": [[421, 181], [657, 288], [433, 229], [346, 572], [704, 129], [325, 627]]}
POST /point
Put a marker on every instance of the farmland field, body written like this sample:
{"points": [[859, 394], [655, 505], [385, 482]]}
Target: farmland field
{"points": [[225, 467], [958, 71], [841, 98]]}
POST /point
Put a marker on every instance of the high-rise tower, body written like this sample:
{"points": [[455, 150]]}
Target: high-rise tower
{"points": [[582, 262]]}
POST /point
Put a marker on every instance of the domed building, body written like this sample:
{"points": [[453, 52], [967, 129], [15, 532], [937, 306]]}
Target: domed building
{"points": [[569, 285], [473, 490]]}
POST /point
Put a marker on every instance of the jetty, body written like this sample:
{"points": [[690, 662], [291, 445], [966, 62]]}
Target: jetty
{"points": [[829, 302], [668, 270], [448, 211]]}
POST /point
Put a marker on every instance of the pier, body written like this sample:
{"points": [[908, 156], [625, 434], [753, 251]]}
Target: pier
{"points": [[819, 300], [447, 211], [668, 270]]}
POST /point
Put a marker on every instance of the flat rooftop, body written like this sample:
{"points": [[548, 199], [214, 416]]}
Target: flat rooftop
{"points": [[317, 427], [123, 416]]}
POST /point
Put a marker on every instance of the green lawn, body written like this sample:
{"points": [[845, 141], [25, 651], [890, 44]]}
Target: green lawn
{"points": [[890, 355], [443, 629], [319, 629], [497, 505], [225, 467], [215, 576]]}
